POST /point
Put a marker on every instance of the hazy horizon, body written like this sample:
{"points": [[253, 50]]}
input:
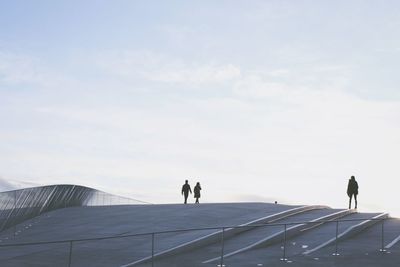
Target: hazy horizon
{"points": [[257, 101]]}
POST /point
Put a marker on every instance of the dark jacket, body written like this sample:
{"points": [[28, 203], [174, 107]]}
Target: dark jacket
{"points": [[186, 189], [196, 190], [352, 187]]}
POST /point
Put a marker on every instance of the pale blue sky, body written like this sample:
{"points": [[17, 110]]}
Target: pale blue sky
{"points": [[257, 100]]}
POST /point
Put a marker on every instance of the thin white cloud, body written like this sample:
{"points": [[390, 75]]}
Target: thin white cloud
{"points": [[197, 74], [154, 67], [256, 87]]}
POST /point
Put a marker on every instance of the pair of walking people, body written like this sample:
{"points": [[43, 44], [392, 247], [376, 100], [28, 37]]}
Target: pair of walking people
{"points": [[186, 190]]}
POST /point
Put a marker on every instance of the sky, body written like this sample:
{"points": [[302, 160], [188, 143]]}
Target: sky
{"points": [[256, 100]]}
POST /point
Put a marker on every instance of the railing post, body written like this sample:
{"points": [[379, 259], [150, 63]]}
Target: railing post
{"points": [[336, 239], [152, 250], [221, 264], [284, 243], [70, 254], [13, 212], [383, 237]]}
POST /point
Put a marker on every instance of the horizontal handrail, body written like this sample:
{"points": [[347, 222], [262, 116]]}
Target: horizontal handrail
{"points": [[183, 230]]}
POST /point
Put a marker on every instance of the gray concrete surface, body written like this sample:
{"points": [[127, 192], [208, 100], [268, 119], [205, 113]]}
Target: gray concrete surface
{"points": [[91, 222]]}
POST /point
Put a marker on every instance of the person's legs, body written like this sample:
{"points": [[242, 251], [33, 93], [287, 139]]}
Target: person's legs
{"points": [[197, 200], [350, 200], [186, 197], [355, 200]]}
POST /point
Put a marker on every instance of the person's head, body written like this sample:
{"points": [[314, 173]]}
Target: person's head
{"points": [[186, 181], [352, 177], [198, 184]]}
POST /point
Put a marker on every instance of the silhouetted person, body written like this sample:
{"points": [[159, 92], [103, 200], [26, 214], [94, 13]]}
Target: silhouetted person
{"points": [[185, 190], [196, 192], [352, 190]]}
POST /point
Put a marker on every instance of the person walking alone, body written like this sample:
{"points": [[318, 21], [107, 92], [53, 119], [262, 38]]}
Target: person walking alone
{"points": [[185, 190], [196, 191], [352, 190]]}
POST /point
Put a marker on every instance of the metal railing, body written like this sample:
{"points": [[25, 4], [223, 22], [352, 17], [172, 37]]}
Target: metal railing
{"points": [[221, 230]]}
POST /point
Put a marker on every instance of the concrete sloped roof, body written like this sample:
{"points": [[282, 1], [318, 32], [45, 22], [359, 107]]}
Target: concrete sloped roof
{"points": [[253, 244]]}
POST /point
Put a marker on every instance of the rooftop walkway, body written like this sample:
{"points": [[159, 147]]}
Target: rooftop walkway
{"points": [[253, 234]]}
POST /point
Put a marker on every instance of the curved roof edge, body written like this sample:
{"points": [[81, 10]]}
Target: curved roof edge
{"points": [[22, 204]]}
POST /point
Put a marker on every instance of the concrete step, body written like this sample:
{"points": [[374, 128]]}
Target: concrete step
{"points": [[349, 232], [276, 234], [369, 240], [359, 239]]}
